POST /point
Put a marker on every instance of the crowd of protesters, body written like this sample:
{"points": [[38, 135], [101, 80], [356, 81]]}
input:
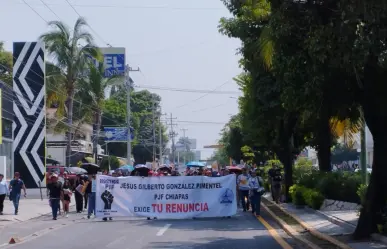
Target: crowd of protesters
{"points": [[60, 189]]}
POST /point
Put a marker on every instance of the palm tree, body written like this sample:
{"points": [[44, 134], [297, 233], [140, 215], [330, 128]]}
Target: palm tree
{"points": [[92, 91], [346, 129], [70, 50]]}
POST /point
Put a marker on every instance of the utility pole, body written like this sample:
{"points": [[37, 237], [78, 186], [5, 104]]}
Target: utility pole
{"points": [[161, 139], [128, 84], [154, 129], [172, 135], [184, 143]]}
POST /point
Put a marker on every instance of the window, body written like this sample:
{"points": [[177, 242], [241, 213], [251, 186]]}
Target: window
{"points": [[7, 128]]}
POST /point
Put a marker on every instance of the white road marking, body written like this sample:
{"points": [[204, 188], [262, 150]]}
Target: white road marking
{"points": [[163, 230], [116, 242]]}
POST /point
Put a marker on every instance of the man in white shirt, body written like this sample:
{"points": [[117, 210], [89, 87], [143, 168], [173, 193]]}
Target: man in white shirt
{"points": [[3, 192], [243, 187]]}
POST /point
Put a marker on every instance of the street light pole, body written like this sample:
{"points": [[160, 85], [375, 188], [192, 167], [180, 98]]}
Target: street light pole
{"points": [[363, 153], [128, 91]]}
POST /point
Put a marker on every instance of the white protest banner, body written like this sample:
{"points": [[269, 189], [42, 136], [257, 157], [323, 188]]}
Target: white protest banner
{"points": [[176, 197]]}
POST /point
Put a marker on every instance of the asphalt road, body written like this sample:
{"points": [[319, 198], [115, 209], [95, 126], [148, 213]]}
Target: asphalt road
{"points": [[242, 231]]}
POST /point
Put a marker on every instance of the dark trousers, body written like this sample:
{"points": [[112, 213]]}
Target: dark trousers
{"points": [[78, 201], [55, 207], [243, 195], [256, 203], [86, 198], [2, 198]]}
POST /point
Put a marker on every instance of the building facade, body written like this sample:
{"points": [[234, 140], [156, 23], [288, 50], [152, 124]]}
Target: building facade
{"points": [[6, 126]]}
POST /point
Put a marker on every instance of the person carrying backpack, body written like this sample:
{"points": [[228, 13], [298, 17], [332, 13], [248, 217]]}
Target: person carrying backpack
{"points": [[15, 187]]}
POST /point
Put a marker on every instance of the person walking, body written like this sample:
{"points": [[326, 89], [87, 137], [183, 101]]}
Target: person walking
{"points": [[16, 186], [275, 177], [3, 192], [90, 191], [78, 194], [66, 197], [55, 189], [256, 191], [243, 189]]}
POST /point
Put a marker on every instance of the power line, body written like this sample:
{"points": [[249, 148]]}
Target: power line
{"points": [[136, 7], [165, 88], [35, 11], [211, 107], [48, 7], [204, 95], [91, 28]]}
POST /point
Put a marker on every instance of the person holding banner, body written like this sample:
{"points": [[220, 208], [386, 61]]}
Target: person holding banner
{"points": [[256, 191], [243, 189]]}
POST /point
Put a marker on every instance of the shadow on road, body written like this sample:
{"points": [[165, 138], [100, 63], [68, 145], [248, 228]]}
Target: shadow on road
{"points": [[264, 241]]}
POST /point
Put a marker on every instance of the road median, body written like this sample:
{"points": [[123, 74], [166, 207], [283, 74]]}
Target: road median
{"points": [[300, 230]]}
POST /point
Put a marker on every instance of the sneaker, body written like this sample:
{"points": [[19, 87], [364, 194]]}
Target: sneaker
{"points": [[66, 215], [54, 218], [88, 216], [110, 218], [104, 219], [148, 218]]}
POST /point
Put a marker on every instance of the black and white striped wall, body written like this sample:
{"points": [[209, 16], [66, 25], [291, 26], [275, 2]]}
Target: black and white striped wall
{"points": [[29, 126]]}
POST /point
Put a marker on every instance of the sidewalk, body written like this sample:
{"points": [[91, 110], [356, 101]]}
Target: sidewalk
{"points": [[28, 209], [332, 223]]}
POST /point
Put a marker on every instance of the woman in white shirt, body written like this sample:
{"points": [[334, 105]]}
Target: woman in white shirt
{"points": [[3, 192], [256, 190]]}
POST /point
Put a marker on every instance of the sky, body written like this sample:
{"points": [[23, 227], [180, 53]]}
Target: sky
{"points": [[175, 43]]}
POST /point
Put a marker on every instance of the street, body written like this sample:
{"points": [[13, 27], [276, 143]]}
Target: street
{"points": [[243, 230]]}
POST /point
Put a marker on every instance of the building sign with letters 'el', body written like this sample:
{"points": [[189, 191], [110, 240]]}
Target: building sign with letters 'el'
{"points": [[114, 61]]}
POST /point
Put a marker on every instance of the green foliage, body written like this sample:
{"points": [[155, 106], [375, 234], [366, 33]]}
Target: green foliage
{"points": [[220, 156], [302, 196], [341, 186], [112, 160], [304, 172], [361, 192], [306, 65], [114, 114], [313, 198], [6, 65], [297, 194], [248, 154]]}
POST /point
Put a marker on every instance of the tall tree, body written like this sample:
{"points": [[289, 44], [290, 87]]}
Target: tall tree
{"points": [[141, 120], [70, 50], [92, 91]]}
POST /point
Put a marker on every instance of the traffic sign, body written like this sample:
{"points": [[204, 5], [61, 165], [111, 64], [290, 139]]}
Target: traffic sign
{"points": [[118, 134]]}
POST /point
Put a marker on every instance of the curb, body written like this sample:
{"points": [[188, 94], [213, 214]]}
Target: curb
{"points": [[314, 231], [340, 222], [290, 230], [336, 220]]}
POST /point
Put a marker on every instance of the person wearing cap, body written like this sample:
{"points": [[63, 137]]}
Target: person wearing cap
{"points": [[3, 192], [55, 190], [15, 186]]}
